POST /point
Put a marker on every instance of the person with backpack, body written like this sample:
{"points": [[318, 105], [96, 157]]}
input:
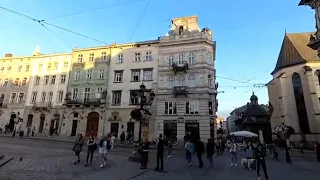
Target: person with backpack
{"points": [[104, 149], [189, 149], [92, 147]]}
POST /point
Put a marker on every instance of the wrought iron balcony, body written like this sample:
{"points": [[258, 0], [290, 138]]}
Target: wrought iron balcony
{"points": [[180, 90], [86, 102], [180, 67], [39, 106]]}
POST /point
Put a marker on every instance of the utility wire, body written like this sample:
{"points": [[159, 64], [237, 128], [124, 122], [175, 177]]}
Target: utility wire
{"points": [[43, 23], [143, 13], [90, 10]]}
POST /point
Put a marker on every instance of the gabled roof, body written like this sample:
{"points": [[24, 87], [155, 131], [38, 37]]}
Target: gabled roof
{"points": [[294, 51], [305, 2]]}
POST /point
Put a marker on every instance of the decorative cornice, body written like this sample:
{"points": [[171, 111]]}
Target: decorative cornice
{"points": [[174, 43]]}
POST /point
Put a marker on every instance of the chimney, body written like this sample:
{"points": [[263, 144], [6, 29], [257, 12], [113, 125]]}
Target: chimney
{"points": [[8, 55]]}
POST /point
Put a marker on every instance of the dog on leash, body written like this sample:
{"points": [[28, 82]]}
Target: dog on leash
{"points": [[247, 163]]}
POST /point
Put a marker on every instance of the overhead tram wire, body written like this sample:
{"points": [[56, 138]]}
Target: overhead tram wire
{"points": [[43, 23], [90, 10], [143, 13]]}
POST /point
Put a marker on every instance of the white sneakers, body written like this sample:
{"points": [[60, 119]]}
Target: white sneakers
{"points": [[235, 165], [103, 164]]}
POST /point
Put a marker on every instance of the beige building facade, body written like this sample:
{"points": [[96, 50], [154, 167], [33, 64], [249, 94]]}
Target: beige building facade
{"points": [[294, 91], [131, 65], [15, 74], [47, 89], [186, 93]]}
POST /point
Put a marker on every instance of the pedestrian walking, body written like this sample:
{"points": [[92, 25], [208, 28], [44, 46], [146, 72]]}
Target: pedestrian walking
{"points": [[301, 147], [234, 153], [77, 148], [103, 151], [122, 137], [218, 145], [189, 150], [144, 152], [51, 131], [210, 151], [170, 144], [92, 147], [160, 151], [33, 131], [28, 131], [318, 151], [260, 160], [113, 139], [199, 148]]}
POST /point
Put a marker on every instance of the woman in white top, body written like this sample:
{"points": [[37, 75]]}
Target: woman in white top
{"points": [[104, 148], [113, 138], [233, 151]]}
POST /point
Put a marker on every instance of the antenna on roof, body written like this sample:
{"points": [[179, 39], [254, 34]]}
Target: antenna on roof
{"points": [[285, 31]]}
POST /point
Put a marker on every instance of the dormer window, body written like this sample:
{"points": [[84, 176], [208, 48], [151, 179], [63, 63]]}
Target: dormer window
{"points": [[180, 30]]}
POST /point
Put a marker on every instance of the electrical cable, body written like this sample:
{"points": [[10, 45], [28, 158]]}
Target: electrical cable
{"points": [[143, 13], [90, 10], [42, 22]]}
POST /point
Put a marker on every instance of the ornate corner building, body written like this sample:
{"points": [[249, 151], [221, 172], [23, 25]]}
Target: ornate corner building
{"points": [[186, 94]]}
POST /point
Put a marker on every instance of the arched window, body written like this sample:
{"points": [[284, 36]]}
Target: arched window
{"points": [[181, 81], [300, 103], [170, 82], [192, 80], [317, 73]]}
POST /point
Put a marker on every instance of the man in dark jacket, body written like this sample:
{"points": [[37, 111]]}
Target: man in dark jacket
{"points": [[199, 148], [260, 154], [210, 151], [160, 151]]}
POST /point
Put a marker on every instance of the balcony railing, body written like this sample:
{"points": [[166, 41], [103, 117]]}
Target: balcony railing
{"points": [[180, 67], [180, 90], [42, 104], [86, 102]]}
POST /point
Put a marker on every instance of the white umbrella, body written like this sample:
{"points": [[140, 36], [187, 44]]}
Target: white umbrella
{"points": [[244, 134]]}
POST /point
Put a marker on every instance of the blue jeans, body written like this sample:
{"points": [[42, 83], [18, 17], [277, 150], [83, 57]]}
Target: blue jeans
{"points": [[234, 157], [188, 156]]}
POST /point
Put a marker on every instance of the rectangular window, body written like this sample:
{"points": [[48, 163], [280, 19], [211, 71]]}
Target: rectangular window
{"points": [[91, 57], [63, 79], [43, 96], [80, 57], [49, 66], [37, 80], [135, 75], [24, 81], [33, 97], [55, 66], [77, 75], [210, 107], [6, 82], [134, 97], [148, 56], [89, 74], [120, 58], [192, 107], [99, 93], [101, 73], [53, 80], [75, 93], [116, 98], [118, 76], [16, 82], [60, 96], [50, 97], [170, 108], [180, 59], [46, 80], [21, 97], [86, 95], [191, 58], [103, 56], [19, 68], [147, 74], [137, 57], [13, 97], [65, 64], [27, 68]]}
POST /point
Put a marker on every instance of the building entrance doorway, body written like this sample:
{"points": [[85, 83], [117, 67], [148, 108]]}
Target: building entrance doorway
{"points": [[192, 130], [30, 119], [170, 131], [42, 119], [74, 127], [11, 122], [92, 124], [114, 128], [130, 127]]}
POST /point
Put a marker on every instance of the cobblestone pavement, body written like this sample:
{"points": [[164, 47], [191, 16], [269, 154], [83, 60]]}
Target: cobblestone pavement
{"points": [[52, 161]]}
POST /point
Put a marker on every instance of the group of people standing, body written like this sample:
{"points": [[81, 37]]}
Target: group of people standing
{"points": [[105, 145]]}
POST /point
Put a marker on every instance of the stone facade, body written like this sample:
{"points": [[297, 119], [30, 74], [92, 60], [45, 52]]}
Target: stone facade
{"points": [[47, 90], [186, 103], [15, 74]]}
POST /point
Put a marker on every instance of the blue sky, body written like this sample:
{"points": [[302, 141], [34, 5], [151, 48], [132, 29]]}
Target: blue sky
{"points": [[248, 33]]}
